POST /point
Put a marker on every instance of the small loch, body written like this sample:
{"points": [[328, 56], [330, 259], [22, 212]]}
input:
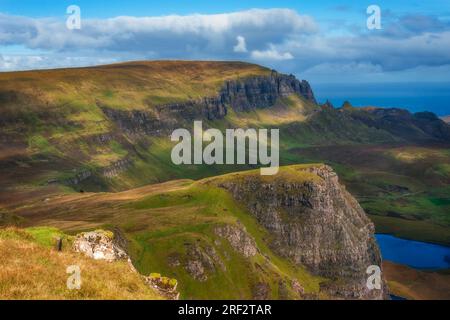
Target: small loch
{"points": [[416, 254]]}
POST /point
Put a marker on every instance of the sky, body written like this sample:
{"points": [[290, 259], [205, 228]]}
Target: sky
{"points": [[405, 63]]}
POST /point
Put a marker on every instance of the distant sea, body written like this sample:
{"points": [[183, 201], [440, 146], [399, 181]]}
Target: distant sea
{"points": [[434, 97]]}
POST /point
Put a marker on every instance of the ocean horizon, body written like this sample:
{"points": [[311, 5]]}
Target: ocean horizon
{"points": [[415, 97]]}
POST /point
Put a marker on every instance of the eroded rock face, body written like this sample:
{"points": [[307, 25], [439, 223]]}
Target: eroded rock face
{"points": [[241, 95], [116, 167], [99, 245], [263, 91], [317, 224], [202, 261], [261, 291], [238, 239], [167, 287]]}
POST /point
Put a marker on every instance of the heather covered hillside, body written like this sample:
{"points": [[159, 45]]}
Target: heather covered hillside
{"points": [[89, 148], [107, 128]]}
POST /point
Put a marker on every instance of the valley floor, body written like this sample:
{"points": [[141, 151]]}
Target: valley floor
{"points": [[405, 189], [414, 284]]}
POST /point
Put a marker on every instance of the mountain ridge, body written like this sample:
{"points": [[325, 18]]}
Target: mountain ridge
{"points": [[72, 119], [73, 140]]}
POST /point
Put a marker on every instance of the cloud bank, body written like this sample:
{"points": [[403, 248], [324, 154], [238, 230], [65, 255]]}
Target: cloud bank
{"points": [[280, 38]]}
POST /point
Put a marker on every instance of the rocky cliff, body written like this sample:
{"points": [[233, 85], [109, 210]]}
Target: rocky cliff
{"points": [[240, 95], [314, 222], [263, 91]]}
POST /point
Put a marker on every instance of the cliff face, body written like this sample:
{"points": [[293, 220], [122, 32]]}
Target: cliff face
{"points": [[318, 224], [241, 95], [416, 127], [261, 92]]}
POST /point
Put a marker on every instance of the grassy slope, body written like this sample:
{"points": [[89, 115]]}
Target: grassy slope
{"points": [[136, 85], [163, 221], [416, 285], [31, 269], [51, 118]]}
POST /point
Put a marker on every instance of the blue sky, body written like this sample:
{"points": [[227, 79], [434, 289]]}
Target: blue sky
{"points": [[326, 42], [112, 8]]}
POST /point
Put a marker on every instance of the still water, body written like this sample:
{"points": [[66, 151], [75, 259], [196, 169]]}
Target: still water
{"points": [[416, 254]]}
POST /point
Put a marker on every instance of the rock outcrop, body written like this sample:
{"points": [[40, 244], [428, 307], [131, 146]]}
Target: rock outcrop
{"points": [[77, 178], [202, 261], [240, 95], [110, 171], [116, 167], [165, 286], [111, 246], [315, 223], [238, 239], [99, 245], [263, 91]]}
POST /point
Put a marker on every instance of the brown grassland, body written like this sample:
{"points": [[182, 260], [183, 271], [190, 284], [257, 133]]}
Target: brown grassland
{"points": [[30, 270]]}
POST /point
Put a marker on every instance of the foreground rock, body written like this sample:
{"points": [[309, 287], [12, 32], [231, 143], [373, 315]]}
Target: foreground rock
{"points": [[314, 222], [165, 286], [99, 245], [110, 246]]}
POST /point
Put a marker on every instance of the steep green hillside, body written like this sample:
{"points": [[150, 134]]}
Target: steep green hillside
{"points": [[54, 129], [216, 246], [134, 85], [168, 224], [417, 285]]}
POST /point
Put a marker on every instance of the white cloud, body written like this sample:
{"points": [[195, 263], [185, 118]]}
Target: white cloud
{"points": [[171, 35], [271, 54], [12, 62], [241, 45], [280, 38], [343, 68]]}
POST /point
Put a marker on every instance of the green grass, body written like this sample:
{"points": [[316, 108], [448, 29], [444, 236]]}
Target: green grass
{"points": [[41, 144], [46, 236], [203, 208], [59, 129], [412, 229], [117, 148], [165, 222]]}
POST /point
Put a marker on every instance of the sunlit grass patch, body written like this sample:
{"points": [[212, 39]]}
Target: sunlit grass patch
{"points": [[29, 270]]}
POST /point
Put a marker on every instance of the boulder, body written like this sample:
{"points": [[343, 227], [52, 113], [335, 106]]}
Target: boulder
{"points": [[99, 245]]}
